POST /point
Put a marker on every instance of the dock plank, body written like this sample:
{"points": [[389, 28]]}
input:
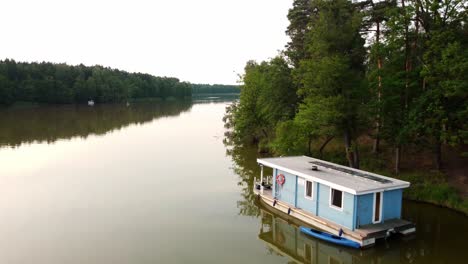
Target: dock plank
{"points": [[380, 229]]}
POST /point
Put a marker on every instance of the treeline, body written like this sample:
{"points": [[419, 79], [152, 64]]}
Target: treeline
{"points": [[394, 72], [214, 88], [61, 83]]}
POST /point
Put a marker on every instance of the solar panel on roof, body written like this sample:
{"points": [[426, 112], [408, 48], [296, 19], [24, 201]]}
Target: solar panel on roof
{"points": [[352, 172]]}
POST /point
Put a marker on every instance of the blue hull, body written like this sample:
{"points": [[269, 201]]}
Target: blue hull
{"points": [[329, 237]]}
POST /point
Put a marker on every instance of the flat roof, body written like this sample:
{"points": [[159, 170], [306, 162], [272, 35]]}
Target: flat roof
{"points": [[338, 177]]}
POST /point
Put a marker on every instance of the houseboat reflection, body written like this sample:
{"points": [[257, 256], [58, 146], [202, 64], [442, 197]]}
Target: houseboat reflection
{"points": [[282, 236]]}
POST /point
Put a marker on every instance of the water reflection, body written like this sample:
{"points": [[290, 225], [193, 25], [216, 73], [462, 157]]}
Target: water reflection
{"points": [[283, 237], [50, 123], [246, 167], [439, 238], [214, 98]]}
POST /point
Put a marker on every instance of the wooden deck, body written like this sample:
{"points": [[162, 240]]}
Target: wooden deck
{"points": [[365, 235], [380, 230]]}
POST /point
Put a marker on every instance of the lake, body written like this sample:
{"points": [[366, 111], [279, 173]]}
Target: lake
{"points": [[153, 182]]}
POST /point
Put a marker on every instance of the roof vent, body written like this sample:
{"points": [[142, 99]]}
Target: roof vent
{"points": [[314, 168]]}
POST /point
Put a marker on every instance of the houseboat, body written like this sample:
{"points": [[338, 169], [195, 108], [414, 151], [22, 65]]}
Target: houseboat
{"points": [[359, 205]]}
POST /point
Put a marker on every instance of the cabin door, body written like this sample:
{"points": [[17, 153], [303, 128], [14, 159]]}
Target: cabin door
{"points": [[377, 217]]}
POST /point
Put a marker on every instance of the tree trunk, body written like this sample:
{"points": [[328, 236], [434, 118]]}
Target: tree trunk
{"points": [[438, 154], [348, 149], [376, 146], [356, 155], [324, 145], [265, 133], [408, 63], [397, 159], [309, 146]]}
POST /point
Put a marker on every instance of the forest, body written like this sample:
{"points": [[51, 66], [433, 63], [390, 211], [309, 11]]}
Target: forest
{"points": [[370, 84], [51, 83]]}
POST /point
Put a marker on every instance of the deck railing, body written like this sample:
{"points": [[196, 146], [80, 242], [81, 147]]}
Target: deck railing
{"points": [[267, 181]]}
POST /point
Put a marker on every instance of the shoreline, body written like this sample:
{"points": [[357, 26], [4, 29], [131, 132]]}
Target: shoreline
{"points": [[458, 211]]}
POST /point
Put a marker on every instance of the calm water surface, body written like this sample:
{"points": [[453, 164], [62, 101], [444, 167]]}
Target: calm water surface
{"points": [[154, 183]]}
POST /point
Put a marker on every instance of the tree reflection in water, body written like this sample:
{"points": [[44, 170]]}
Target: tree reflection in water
{"points": [[246, 167], [53, 122]]}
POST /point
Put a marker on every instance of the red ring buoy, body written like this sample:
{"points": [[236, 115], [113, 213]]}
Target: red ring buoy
{"points": [[280, 179]]}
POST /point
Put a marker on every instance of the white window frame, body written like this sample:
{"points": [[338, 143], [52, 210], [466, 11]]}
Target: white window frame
{"points": [[330, 201], [305, 190], [373, 208]]}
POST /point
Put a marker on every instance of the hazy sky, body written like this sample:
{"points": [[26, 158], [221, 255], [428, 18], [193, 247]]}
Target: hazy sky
{"points": [[200, 41]]}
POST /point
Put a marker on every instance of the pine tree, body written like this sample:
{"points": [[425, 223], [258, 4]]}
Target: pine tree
{"points": [[331, 79]]}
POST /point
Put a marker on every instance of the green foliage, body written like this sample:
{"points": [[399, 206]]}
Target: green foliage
{"points": [[442, 108], [300, 17], [405, 85], [411, 77], [396, 83], [290, 138], [267, 97], [61, 83], [331, 76], [6, 91]]}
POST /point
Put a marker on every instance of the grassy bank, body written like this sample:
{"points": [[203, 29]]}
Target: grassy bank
{"points": [[427, 185], [432, 187]]}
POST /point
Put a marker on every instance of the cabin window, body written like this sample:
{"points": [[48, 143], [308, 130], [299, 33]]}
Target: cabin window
{"points": [[377, 207], [336, 198], [309, 190]]}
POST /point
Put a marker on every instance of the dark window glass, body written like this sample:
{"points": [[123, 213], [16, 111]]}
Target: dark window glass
{"points": [[336, 198], [377, 207], [309, 189]]}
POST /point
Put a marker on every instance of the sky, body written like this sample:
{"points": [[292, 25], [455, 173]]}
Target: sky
{"points": [[202, 41]]}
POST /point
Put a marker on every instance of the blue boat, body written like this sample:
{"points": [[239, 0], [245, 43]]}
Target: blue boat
{"points": [[329, 237]]}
